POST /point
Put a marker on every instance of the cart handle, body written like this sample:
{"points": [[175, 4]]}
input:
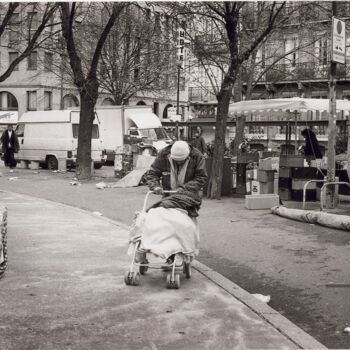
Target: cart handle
{"points": [[148, 194]]}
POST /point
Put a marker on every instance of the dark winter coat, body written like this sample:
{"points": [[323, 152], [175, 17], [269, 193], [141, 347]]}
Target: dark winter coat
{"points": [[312, 147], [13, 141], [199, 143], [196, 174]]}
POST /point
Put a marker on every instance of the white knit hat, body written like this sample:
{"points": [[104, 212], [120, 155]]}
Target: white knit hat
{"points": [[180, 150]]}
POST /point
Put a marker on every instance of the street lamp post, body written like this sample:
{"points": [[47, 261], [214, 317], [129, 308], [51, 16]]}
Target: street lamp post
{"points": [[178, 64]]}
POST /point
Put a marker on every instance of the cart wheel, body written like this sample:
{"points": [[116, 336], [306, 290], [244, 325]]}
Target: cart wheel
{"points": [[128, 277], [136, 279], [143, 269], [187, 270], [177, 281], [173, 284]]}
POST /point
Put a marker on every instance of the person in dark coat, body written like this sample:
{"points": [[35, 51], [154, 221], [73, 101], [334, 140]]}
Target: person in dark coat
{"points": [[199, 143], [312, 147], [10, 146], [177, 166]]}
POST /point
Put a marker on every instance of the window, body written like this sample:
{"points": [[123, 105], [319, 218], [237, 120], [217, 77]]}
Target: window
{"points": [[12, 103], [12, 57], [95, 133], [32, 21], [31, 101], [33, 61], [47, 100], [14, 29], [48, 60]]}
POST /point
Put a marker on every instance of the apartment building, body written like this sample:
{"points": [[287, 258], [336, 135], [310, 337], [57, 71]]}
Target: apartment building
{"points": [[41, 81], [293, 62]]}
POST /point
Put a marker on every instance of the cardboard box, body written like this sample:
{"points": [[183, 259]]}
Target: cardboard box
{"points": [[291, 161], [304, 173], [271, 163], [262, 201], [285, 172], [265, 175], [285, 194], [255, 187], [298, 184], [266, 187], [285, 182]]}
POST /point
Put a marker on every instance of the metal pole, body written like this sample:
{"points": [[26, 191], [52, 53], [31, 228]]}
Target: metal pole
{"points": [[178, 100], [332, 119]]}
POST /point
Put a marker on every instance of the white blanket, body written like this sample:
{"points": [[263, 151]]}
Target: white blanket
{"points": [[167, 231]]}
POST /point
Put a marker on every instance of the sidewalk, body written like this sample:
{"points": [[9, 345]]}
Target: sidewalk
{"points": [[64, 289]]}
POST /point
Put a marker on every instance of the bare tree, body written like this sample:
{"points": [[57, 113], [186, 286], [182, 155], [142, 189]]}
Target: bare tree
{"points": [[136, 51], [225, 19], [76, 24], [27, 26]]}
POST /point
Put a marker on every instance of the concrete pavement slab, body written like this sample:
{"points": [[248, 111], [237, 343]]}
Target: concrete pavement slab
{"points": [[64, 289]]}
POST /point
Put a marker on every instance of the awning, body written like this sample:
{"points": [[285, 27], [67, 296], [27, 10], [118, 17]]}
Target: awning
{"points": [[285, 104], [8, 117], [143, 119]]}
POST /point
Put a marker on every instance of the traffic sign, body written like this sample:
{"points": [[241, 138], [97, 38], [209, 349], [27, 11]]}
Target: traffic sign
{"points": [[338, 41]]}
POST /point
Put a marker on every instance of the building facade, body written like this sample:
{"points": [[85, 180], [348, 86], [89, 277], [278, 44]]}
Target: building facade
{"points": [[293, 62], [40, 83]]}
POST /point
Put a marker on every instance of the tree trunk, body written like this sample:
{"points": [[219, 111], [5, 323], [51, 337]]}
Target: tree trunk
{"points": [[215, 182], [87, 114]]}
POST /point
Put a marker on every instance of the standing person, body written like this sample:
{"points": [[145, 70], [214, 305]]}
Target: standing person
{"points": [[10, 146], [199, 143], [312, 147]]}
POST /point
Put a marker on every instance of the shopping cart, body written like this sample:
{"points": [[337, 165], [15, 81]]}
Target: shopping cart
{"points": [[140, 265]]}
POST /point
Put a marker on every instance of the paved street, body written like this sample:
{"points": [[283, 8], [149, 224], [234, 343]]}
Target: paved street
{"points": [[262, 253], [64, 289]]}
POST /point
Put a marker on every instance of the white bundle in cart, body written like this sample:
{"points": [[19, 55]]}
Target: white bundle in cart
{"points": [[166, 231]]}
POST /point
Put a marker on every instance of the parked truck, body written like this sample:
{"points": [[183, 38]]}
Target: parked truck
{"points": [[117, 123], [50, 138]]}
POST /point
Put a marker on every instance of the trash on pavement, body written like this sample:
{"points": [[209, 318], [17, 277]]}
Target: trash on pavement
{"points": [[75, 183], [101, 185], [132, 179], [347, 329], [263, 298], [13, 178], [97, 213], [36, 172]]}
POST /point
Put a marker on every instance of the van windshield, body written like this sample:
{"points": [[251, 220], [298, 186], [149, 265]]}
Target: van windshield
{"points": [[95, 134], [154, 133]]}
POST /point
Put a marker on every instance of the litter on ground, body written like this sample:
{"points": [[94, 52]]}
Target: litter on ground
{"points": [[97, 213], [263, 298], [75, 183], [13, 178]]}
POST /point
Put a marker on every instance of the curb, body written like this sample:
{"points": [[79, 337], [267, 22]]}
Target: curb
{"points": [[295, 334]]}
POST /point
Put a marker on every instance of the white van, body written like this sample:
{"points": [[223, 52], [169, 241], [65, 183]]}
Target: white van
{"points": [[136, 122], [48, 137]]}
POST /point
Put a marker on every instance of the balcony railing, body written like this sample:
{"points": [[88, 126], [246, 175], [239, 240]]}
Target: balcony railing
{"points": [[201, 94], [303, 71]]}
